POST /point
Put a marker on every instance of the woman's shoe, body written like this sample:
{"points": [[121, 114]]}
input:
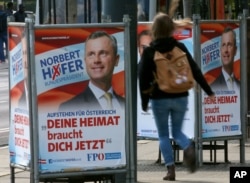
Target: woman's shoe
{"points": [[189, 158], [170, 174]]}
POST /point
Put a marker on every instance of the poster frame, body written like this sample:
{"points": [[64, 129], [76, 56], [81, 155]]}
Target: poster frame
{"points": [[35, 175], [243, 110]]}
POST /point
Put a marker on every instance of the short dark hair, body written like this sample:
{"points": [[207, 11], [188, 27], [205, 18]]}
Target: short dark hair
{"points": [[10, 4], [21, 6], [98, 34], [230, 29], [145, 32]]}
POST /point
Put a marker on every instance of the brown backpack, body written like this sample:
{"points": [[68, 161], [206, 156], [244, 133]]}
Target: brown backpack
{"points": [[173, 73]]}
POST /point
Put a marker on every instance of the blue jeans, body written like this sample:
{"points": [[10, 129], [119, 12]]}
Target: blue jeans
{"points": [[3, 40], [162, 110]]}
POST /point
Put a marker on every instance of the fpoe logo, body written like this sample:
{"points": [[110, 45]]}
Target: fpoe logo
{"points": [[103, 156], [239, 174], [228, 128]]}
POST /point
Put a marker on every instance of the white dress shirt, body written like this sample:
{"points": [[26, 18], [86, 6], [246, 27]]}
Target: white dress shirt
{"points": [[99, 94]]}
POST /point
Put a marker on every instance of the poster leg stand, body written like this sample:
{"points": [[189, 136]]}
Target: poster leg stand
{"points": [[242, 150], [158, 161], [226, 151], [12, 173]]}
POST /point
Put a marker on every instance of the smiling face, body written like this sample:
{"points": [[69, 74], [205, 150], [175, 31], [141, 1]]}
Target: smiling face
{"points": [[100, 59], [228, 49]]}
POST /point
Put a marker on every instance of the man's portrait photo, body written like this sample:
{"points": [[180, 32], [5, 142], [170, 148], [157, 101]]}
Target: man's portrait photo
{"points": [[228, 49], [101, 57]]}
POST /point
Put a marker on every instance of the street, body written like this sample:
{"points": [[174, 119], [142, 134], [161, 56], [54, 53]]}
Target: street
{"points": [[4, 104]]}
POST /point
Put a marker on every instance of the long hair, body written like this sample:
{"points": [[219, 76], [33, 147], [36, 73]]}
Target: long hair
{"points": [[162, 27]]}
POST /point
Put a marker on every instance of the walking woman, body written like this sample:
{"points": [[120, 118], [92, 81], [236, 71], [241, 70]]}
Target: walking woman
{"points": [[168, 104]]}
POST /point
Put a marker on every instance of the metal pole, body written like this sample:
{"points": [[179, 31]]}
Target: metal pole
{"points": [[117, 10], [152, 9], [12, 169], [243, 78], [12, 174], [131, 149], [187, 8], [198, 111], [34, 172]]}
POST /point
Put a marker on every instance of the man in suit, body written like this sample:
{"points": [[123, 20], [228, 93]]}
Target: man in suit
{"points": [[227, 80], [143, 41], [100, 59]]}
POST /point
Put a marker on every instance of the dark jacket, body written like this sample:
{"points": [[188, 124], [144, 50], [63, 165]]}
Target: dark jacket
{"points": [[221, 84], [3, 22], [147, 66], [20, 16], [86, 101]]}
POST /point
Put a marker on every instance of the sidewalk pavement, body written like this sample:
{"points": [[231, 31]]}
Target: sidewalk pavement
{"points": [[150, 172], [4, 65]]}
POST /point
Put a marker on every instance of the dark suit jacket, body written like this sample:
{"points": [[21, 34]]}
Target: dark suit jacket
{"points": [[86, 101], [220, 83]]}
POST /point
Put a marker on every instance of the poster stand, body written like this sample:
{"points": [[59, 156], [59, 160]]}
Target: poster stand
{"points": [[235, 130], [240, 135], [41, 42]]}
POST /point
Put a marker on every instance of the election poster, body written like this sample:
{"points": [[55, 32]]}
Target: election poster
{"points": [[146, 127], [19, 137], [78, 131], [220, 63]]}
